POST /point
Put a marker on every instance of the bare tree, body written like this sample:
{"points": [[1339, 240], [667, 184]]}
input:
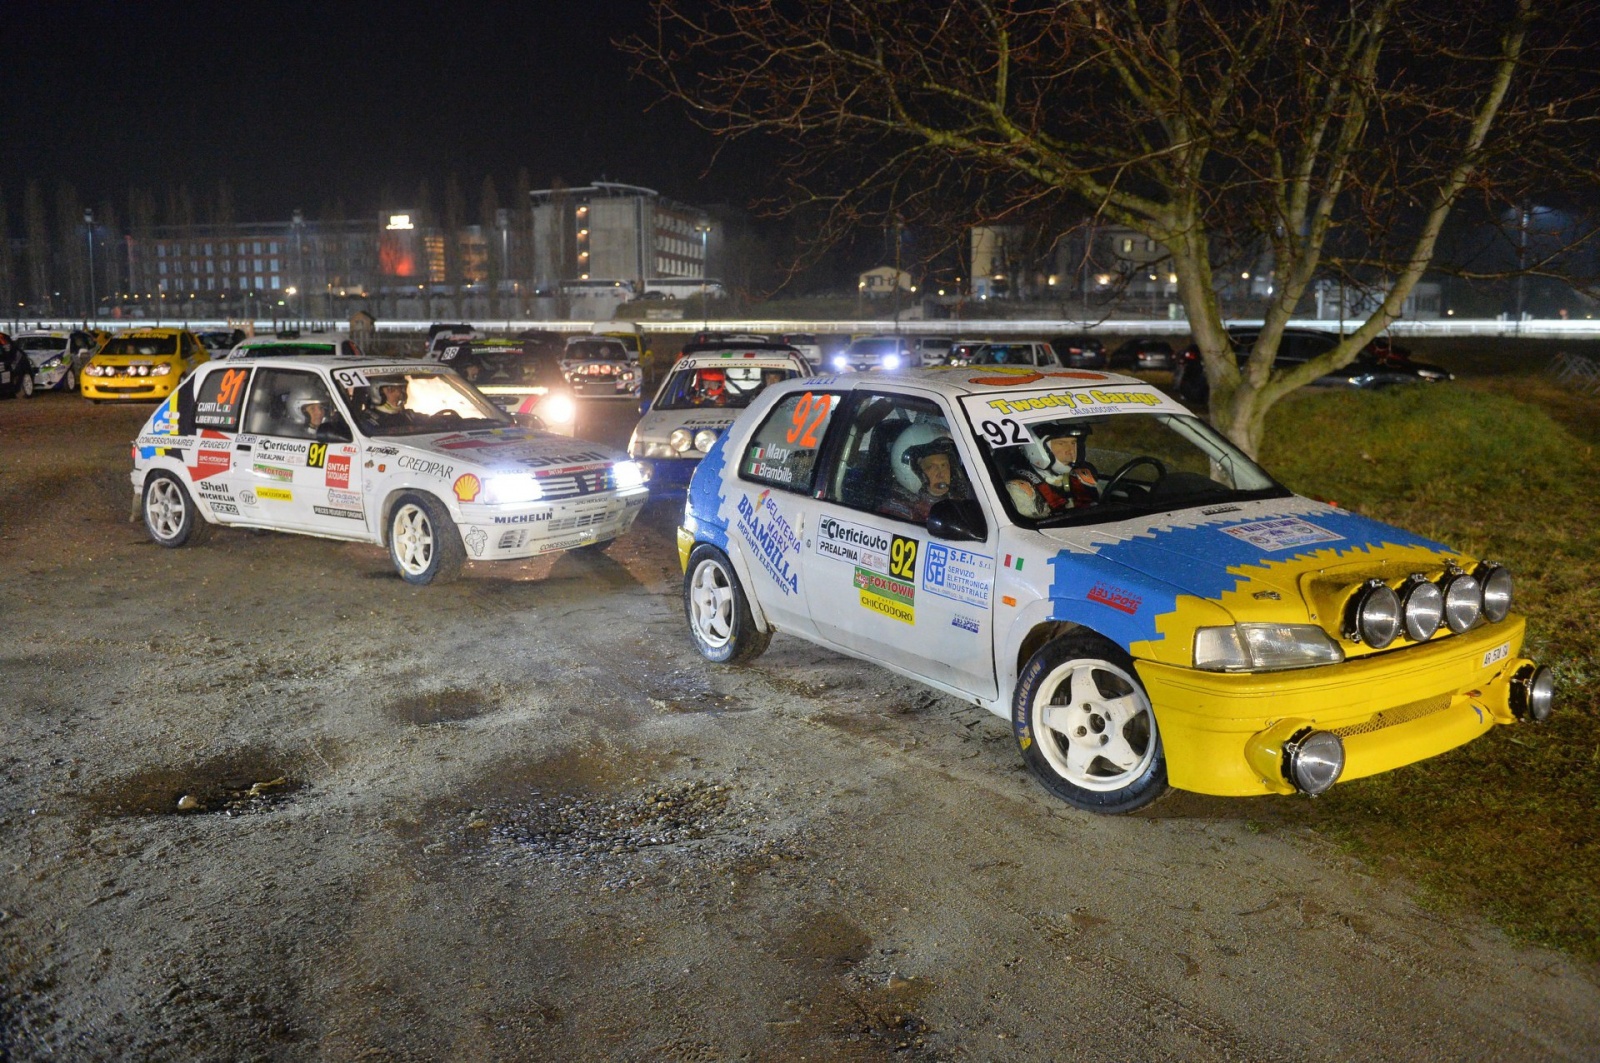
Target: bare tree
{"points": [[36, 225], [1336, 136], [8, 265]]}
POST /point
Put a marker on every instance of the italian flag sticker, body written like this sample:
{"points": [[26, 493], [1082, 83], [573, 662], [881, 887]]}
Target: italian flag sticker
{"points": [[1017, 566]]}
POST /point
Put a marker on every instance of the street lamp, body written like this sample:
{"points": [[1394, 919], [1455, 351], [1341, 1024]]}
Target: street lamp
{"points": [[299, 224], [88, 224], [703, 227]]}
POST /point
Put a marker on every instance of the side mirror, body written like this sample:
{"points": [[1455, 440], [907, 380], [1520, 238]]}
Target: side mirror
{"points": [[334, 430], [644, 407], [957, 521]]}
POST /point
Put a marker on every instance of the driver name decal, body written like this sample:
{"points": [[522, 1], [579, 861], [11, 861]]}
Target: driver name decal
{"points": [[772, 541], [1283, 533]]}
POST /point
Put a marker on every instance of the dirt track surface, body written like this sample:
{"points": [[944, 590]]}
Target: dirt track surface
{"points": [[517, 817]]}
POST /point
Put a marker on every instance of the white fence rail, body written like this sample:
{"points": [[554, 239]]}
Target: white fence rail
{"points": [[1576, 371]]}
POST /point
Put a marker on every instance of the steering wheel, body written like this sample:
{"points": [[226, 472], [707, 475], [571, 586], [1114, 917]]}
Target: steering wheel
{"points": [[1118, 476]]}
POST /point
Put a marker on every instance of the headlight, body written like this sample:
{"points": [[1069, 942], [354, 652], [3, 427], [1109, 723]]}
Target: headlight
{"points": [[680, 440], [91, 370], [1374, 615], [1463, 600], [1496, 583], [652, 450], [54, 363], [627, 474], [558, 409], [512, 488], [705, 439], [1422, 605], [160, 370], [142, 370], [1263, 647], [1313, 761], [891, 361], [842, 364]]}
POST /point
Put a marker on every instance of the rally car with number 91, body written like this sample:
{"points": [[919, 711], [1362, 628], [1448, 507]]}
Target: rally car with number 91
{"points": [[1084, 557], [406, 456]]}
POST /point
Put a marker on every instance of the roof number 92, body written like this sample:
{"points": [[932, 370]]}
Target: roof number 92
{"points": [[1004, 433]]}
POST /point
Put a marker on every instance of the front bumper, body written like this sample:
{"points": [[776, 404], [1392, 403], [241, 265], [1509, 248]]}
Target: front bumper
{"points": [[128, 388], [547, 529], [669, 473], [1390, 709]]}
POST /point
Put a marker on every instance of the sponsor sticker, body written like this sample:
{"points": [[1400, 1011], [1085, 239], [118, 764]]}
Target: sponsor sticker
{"points": [[467, 487], [247, 496], [273, 472], [476, 538], [337, 471], [965, 623], [317, 455], [525, 518], [223, 508], [958, 574], [771, 539], [425, 466], [853, 544], [1115, 597], [329, 511], [560, 544], [344, 499], [276, 494], [893, 598], [209, 463], [1281, 533]]}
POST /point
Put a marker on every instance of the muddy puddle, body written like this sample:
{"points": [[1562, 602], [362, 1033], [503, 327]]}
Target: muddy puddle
{"points": [[238, 784], [441, 706]]}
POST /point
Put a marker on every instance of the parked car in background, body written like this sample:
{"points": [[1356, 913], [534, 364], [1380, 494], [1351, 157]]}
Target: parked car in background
{"points": [[699, 399], [58, 357], [601, 367], [141, 365], [1373, 368], [329, 344], [1141, 352], [1080, 352], [1085, 558], [866, 353], [442, 334], [523, 377], [220, 341], [961, 351], [405, 455], [16, 370], [807, 344], [933, 350], [1018, 352]]}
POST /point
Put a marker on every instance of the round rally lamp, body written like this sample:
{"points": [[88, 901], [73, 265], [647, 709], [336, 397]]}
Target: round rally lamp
{"points": [[1533, 693], [1463, 600], [1374, 616], [1422, 605], [680, 440], [705, 439], [1313, 761], [1496, 583]]}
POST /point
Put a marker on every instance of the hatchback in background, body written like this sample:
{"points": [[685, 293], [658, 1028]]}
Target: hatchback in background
{"points": [[1016, 352], [867, 353], [328, 344], [522, 377], [961, 351], [934, 350], [1142, 352], [1378, 366], [58, 357], [143, 365], [1080, 352], [808, 346], [601, 367]]}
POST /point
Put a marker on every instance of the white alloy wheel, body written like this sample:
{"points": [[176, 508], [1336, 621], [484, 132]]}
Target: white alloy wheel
{"points": [[711, 603], [1094, 725], [414, 540], [70, 381], [165, 508], [25, 389]]}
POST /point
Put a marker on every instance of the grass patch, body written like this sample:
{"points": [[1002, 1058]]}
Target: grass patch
{"points": [[1504, 466]]}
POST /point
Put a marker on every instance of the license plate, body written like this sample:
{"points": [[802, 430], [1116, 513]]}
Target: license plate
{"points": [[1499, 653]]}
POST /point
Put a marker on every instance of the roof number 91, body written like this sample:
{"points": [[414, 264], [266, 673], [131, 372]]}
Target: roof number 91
{"points": [[350, 378]]}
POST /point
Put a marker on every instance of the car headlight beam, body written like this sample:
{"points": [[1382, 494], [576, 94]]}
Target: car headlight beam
{"points": [[705, 439], [1463, 600], [512, 489], [1263, 647], [1374, 615], [627, 475]]}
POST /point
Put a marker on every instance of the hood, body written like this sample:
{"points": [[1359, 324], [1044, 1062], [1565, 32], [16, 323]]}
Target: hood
{"points": [[510, 449], [657, 425], [1284, 559]]}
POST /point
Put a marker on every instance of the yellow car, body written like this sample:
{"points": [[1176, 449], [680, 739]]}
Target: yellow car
{"points": [[142, 365]]}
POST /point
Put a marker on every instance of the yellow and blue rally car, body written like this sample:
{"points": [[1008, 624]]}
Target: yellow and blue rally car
{"points": [[1080, 554]]}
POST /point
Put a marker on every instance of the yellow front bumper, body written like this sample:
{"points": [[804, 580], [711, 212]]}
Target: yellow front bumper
{"points": [[1391, 709], [127, 388]]}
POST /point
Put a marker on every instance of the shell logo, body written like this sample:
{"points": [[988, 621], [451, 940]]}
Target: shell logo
{"points": [[467, 487]]}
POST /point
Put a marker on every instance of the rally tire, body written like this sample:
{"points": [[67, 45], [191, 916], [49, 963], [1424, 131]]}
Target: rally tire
{"points": [[25, 386], [171, 517], [69, 382], [424, 543], [1085, 727], [720, 621]]}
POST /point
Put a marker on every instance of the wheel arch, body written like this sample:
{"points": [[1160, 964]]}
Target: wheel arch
{"points": [[391, 499], [1037, 625], [731, 549]]}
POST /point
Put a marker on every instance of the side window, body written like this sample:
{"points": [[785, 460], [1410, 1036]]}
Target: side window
{"points": [[220, 400], [783, 451], [287, 402], [899, 457]]}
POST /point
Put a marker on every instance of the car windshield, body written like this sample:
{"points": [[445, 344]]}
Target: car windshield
{"points": [[886, 345], [145, 345], [731, 386], [1003, 354], [42, 344], [597, 351], [1079, 469], [401, 403]]}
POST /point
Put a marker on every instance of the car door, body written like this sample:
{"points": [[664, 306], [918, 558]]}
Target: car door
{"points": [[877, 583], [769, 493], [213, 418], [285, 474]]}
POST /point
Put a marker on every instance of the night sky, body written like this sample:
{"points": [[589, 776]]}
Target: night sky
{"points": [[298, 104]]}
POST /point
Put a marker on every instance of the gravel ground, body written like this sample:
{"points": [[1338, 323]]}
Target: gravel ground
{"points": [[261, 800]]}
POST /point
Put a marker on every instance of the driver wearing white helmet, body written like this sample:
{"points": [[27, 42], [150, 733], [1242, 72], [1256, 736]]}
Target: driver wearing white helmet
{"points": [[926, 468], [1056, 475]]}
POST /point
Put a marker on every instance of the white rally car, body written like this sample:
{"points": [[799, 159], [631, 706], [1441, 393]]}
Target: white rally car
{"points": [[57, 357], [406, 455], [707, 387]]}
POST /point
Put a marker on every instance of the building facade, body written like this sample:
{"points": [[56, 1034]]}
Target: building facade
{"points": [[617, 232]]}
